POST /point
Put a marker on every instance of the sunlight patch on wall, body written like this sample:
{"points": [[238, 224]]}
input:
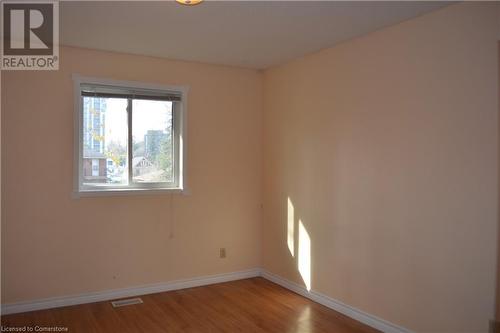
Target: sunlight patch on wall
{"points": [[305, 255], [291, 228]]}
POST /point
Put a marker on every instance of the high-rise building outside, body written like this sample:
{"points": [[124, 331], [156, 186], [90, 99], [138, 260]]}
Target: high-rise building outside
{"points": [[94, 158]]}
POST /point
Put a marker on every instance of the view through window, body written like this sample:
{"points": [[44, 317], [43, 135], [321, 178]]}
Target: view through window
{"points": [[152, 155], [105, 141], [128, 141]]}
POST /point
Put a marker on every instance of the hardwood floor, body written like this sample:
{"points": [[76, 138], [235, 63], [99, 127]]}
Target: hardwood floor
{"points": [[251, 305]]}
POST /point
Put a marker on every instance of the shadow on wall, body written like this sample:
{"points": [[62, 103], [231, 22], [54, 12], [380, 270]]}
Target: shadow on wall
{"points": [[301, 252]]}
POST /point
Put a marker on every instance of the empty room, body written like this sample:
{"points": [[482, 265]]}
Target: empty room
{"points": [[207, 166]]}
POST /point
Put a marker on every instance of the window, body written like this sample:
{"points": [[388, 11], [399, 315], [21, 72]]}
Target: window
{"points": [[129, 137], [95, 167]]}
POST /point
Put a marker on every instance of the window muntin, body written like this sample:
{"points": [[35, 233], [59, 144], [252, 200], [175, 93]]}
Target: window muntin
{"points": [[129, 138]]}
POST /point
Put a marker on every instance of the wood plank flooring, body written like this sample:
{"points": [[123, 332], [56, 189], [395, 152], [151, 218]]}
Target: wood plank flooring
{"points": [[251, 305]]}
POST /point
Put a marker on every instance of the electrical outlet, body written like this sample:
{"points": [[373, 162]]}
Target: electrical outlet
{"points": [[222, 252]]}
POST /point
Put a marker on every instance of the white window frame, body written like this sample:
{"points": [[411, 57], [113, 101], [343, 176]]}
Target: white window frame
{"points": [[180, 141]]}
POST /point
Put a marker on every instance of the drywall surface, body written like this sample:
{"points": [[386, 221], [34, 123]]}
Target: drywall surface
{"points": [[55, 245], [381, 168]]}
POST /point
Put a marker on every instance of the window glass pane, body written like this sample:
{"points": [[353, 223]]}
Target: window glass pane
{"points": [[105, 141], [152, 137]]}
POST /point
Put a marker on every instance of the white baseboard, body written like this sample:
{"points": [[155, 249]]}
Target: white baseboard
{"points": [[100, 296], [338, 306], [56, 302]]}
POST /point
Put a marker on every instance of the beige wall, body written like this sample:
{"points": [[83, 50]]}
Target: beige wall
{"points": [[55, 245], [387, 147]]}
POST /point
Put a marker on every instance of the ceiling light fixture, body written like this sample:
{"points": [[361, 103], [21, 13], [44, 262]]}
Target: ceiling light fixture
{"points": [[189, 2]]}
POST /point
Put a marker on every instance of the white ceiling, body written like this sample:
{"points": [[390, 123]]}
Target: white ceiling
{"points": [[254, 34]]}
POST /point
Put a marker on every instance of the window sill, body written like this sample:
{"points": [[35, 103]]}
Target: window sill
{"points": [[128, 192]]}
